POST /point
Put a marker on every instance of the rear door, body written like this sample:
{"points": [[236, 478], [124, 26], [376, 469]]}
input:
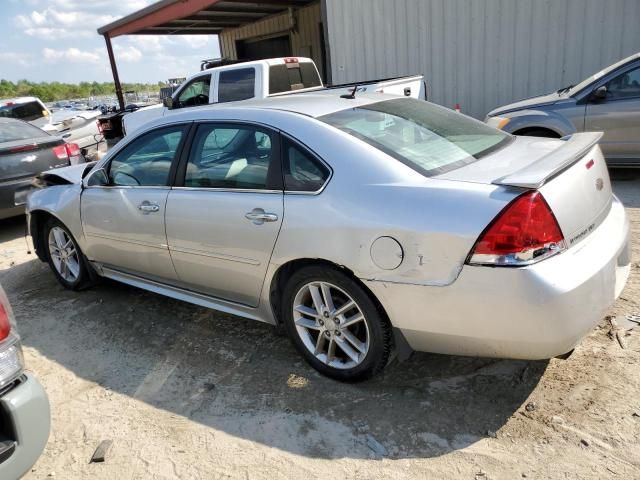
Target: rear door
{"points": [[618, 116], [224, 216], [124, 222]]}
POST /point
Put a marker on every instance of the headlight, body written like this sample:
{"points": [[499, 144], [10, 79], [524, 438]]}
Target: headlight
{"points": [[498, 122], [11, 359]]}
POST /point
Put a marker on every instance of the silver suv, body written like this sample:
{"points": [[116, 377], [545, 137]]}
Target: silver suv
{"points": [[608, 102], [24, 407]]}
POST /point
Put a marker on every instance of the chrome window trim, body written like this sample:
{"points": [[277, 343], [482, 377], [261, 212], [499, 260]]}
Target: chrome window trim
{"points": [[317, 157], [228, 190], [146, 187]]}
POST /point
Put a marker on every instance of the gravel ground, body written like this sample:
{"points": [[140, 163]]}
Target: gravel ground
{"points": [[184, 392]]}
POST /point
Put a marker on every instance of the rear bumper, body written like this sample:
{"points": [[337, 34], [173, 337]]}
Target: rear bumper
{"points": [[13, 196], [27, 408], [535, 312]]}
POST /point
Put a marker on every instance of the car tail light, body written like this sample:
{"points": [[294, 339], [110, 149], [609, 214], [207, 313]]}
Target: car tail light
{"points": [[525, 232], [5, 326], [61, 152], [73, 150], [11, 358]]}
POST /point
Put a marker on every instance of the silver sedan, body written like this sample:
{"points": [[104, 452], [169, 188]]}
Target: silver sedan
{"points": [[360, 225]]}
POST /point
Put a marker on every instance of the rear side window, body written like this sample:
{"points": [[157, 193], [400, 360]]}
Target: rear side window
{"points": [[10, 131], [302, 171], [430, 139], [23, 111], [293, 76], [235, 85]]}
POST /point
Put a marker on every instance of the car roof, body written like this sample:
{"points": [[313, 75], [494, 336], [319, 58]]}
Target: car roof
{"points": [[18, 100], [309, 104]]}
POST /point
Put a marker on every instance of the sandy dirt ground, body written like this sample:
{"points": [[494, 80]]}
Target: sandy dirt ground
{"points": [[188, 393]]}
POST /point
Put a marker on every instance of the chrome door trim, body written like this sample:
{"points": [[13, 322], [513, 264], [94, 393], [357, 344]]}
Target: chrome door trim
{"points": [[220, 256], [161, 246]]}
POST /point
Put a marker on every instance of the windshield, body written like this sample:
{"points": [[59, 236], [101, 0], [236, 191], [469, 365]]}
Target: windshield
{"points": [[28, 111], [428, 138], [589, 80]]}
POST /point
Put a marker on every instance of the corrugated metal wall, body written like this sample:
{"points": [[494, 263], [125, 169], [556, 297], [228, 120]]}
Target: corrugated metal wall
{"points": [[305, 39], [480, 53]]}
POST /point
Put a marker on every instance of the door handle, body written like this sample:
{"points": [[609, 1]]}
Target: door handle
{"points": [[258, 216], [148, 207]]}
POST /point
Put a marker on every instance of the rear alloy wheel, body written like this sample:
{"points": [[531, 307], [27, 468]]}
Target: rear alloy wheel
{"points": [[64, 256], [335, 324]]}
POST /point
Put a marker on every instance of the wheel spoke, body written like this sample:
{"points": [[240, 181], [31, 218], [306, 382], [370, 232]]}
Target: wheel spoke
{"points": [[358, 317], [317, 298], [73, 267], [345, 308], [319, 344], [309, 312], [331, 351], [58, 234], [306, 323], [346, 348], [353, 340], [54, 246], [326, 296], [63, 269]]}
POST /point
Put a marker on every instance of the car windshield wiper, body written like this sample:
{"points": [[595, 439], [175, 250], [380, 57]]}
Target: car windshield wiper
{"points": [[565, 89]]}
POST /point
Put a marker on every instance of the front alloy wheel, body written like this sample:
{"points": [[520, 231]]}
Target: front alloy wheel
{"points": [[64, 255], [335, 323]]}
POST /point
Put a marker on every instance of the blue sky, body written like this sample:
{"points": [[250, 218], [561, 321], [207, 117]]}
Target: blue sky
{"points": [[56, 40]]}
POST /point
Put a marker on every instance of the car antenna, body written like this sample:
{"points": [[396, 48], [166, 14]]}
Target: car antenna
{"points": [[352, 95]]}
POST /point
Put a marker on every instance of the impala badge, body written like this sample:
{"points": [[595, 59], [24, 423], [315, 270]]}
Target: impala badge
{"points": [[599, 184]]}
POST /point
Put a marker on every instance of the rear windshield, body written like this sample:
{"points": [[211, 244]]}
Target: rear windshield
{"points": [[12, 131], [293, 76], [428, 138], [24, 111]]}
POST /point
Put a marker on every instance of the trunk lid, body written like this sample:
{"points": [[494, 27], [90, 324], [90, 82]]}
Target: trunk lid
{"points": [[571, 174], [26, 158]]}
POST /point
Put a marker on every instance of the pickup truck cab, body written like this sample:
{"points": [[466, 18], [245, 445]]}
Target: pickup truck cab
{"points": [[260, 79]]}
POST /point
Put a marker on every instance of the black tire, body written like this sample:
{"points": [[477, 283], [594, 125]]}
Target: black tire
{"points": [[378, 330], [85, 277]]}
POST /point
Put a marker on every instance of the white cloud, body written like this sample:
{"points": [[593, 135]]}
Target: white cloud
{"points": [[128, 54], [72, 54], [22, 59], [54, 24]]}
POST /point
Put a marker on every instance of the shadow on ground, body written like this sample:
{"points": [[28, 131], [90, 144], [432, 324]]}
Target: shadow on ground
{"points": [[237, 376]]}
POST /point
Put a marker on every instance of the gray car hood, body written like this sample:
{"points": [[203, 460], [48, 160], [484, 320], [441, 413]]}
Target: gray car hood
{"points": [[532, 102], [72, 174]]}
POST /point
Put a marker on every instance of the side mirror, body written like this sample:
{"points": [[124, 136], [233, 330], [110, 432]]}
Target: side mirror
{"points": [[168, 102], [600, 93], [98, 178]]}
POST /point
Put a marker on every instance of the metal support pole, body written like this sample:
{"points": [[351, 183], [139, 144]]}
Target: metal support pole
{"points": [[114, 70]]}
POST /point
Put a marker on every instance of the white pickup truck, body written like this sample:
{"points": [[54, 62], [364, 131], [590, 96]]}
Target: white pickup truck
{"points": [[261, 79]]}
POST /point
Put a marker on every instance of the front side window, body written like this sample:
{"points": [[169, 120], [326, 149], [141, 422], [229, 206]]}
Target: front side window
{"points": [[302, 171], [195, 93], [430, 139], [146, 161], [231, 157], [626, 85], [235, 85]]}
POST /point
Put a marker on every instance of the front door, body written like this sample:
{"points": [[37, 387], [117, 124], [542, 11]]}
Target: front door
{"points": [[618, 116], [123, 222], [224, 218]]}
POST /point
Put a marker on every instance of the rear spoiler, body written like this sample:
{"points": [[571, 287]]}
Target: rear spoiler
{"points": [[535, 175]]}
